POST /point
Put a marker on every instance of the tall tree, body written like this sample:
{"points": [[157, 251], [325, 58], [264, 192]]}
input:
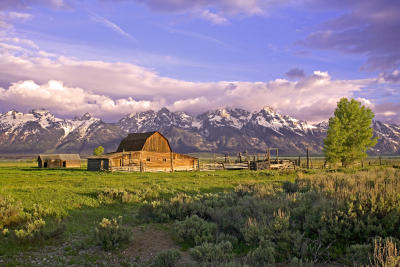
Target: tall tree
{"points": [[350, 134], [98, 151]]}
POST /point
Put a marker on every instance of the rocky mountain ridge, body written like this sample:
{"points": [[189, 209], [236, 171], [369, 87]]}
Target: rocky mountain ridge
{"points": [[223, 130]]}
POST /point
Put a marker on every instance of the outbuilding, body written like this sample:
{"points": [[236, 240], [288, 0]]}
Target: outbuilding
{"points": [[59, 161], [143, 152]]}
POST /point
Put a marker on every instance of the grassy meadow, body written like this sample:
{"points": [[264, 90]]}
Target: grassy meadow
{"points": [[240, 218]]}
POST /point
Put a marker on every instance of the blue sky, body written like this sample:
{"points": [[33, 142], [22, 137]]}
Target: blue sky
{"points": [[126, 56]]}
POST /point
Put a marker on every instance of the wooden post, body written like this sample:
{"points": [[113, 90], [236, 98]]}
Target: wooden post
{"points": [[172, 162], [198, 164], [226, 159], [254, 158], [277, 156], [140, 162], [308, 160], [299, 162], [240, 157], [269, 158]]}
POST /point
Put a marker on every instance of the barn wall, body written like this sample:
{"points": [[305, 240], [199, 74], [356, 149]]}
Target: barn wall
{"points": [[73, 164], [146, 161], [157, 143], [54, 163]]}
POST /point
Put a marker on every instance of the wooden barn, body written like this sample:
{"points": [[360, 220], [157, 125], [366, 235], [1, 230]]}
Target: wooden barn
{"points": [[59, 161], [143, 152]]}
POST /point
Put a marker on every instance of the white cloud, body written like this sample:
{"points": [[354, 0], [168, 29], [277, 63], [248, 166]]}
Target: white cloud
{"points": [[19, 16], [110, 90], [111, 25], [213, 17], [64, 100]]}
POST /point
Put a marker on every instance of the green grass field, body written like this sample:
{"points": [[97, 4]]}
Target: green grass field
{"points": [[71, 195], [70, 198]]}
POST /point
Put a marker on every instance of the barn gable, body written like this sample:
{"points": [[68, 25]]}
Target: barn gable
{"points": [[151, 142]]}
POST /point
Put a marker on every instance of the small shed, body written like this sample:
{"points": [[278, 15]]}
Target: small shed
{"points": [[143, 152], [59, 161]]}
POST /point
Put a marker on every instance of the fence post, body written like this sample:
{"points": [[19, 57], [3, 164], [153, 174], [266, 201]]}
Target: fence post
{"points": [[172, 161], [308, 160]]}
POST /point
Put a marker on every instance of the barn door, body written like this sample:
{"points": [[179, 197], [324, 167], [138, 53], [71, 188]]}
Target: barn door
{"points": [[64, 164]]}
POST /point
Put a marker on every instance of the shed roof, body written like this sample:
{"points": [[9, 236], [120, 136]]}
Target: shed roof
{"points": [[135, 141], [63, 157], [107, 155]]}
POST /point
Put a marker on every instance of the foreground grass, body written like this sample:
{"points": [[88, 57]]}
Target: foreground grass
{"points": [[71, 198]]}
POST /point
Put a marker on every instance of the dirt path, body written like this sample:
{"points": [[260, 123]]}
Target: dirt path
{"points": [[148, 242]]}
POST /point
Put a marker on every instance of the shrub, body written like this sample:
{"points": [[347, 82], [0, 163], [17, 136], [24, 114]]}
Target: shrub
{"points": [[262, 255], [167, 258], [358, 255], [385, 253], [11, 212], [212, 253], [109, 195], [33, 230], [194, 230], [110, 233]]}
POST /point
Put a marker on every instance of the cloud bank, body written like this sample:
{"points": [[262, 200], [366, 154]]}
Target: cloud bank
{"points": [[69, 87]]}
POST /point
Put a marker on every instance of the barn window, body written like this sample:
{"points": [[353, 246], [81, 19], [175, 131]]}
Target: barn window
{"points": [[45, 164], [148, 159], [165, 160], [64, 164]]}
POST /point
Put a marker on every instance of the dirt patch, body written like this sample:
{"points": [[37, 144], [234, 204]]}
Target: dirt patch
{"points": [[148, 242]]}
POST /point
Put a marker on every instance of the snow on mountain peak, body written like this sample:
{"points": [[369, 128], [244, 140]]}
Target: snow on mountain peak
{"points": [[269, 109], [86, 116]]}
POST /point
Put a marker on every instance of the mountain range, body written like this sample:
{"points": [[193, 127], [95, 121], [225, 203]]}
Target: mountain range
{"points": [[227, 130]]}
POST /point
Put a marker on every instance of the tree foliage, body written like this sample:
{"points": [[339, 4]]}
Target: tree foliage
{"points": [[98, 151], [350, 134]]}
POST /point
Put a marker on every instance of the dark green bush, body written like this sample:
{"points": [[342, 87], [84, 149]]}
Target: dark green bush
{"points": [[212, 253], [194, 230], [167, 258]]}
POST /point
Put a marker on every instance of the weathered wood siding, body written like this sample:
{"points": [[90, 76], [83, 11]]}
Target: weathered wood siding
{"points": [[56, 163], [145, 161], [157, 143], [73, 164]]}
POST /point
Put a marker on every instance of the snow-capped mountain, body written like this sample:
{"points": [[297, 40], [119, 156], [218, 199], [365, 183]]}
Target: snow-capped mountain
{"points": [[40, 131], [222, 130]]}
